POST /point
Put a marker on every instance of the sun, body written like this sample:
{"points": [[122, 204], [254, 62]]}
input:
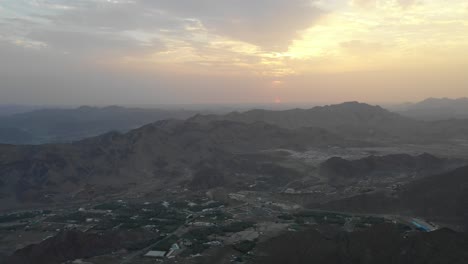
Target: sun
{"points": [[277, 100]]}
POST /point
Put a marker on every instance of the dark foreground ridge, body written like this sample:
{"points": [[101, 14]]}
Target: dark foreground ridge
{"points": [[442, 197], [383, 244]]}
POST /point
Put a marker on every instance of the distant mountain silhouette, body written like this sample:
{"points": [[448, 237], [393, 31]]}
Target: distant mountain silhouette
{"points": [[352, 120], [161, 152], [442, 197], [383, 244], [70, 245], [437, 109], [64, 125], [15, 136], [342, 172], [6, 110]]}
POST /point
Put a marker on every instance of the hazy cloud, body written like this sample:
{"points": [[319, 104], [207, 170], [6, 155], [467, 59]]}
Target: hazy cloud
{"points": [[359, 46], [375, 3], [114, 51], [271, 24], [268, 23], [93, 44]]}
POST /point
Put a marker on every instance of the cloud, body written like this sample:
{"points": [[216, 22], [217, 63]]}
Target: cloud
{"points": [[382, 3], [364, 3], [94, 44], [271, 24], [406, 3], [360, 47], [114, 16], [57, 50]]}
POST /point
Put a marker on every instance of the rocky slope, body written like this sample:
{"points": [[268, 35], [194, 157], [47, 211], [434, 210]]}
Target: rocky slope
{"points": [[352, 119], [73, 244], [342, 172], [437, 109], [166, 150], [442, 197], [64, 125], [385, 244]]}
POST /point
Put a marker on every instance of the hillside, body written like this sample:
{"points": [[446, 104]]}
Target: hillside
{"points": [[433, 109], [355, 118], [342, 172], [64, 125], [164, 153], [73, 244], [15, 136], [442, 197], [352, 120], [385, 244]]}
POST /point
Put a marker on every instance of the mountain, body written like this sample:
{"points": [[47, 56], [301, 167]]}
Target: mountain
{"points": [[68, 245], [352, 120], [437, 109], [65, 125], [6, 110], [159, 155], [442, 197], [73, 244], [15, 135], [384, 244], [342, 172], [356, 118]]}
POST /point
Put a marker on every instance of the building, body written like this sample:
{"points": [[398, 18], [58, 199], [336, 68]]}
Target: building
{"points": [[423, 225], [156, 254]]}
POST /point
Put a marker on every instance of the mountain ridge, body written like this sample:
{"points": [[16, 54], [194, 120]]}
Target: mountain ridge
{"points": [[352, 120], [151, 153]]}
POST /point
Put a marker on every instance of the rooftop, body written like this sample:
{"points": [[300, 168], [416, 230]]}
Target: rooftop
{"points": [[155, 254]]}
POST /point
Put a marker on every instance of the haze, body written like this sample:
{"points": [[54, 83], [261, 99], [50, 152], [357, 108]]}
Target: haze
{"points": [[211, 51]]}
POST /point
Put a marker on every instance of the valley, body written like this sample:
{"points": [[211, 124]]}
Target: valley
{"points": [[222, 191]]}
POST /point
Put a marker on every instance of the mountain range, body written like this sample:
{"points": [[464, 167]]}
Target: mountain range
{"points": [[205, 151], [433, 109], [258, 165], [385, 244], [65, 125], [165, 153], [350, 119], [442, 197], [353, 120]]}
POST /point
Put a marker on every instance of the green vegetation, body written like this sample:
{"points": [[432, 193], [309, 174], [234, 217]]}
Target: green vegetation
{"points": [[166, 243], [218, 215], [286, 217], [200, 235], [201, 207], [13, 227], [109, 206], [321, 217], [237, 227], [245, 246], [194, 249], [75, 217], [20, 216]]}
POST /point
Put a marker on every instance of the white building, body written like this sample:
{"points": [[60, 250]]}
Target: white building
{"points": [[156, 254]]}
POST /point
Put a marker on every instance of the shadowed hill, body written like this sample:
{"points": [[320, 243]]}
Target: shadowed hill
{"points": [[352, 119], [342, 172], [437, 109], [64, 125], [71, 245], [442, 197], [163, 150], [384, 244]]}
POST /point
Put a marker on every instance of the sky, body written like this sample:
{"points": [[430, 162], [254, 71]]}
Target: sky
{"points": [[101, 52]]}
